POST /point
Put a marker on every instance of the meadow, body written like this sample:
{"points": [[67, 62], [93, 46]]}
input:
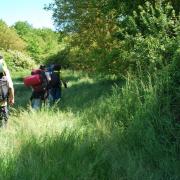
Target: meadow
{"points": [[103, 128]]}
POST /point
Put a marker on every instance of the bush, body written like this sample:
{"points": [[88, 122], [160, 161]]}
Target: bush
{"points": [[9, 39], [17, 60]]}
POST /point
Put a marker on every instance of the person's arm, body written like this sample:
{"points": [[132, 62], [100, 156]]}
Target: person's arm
{"points": [[11, 96], [11, 87]]}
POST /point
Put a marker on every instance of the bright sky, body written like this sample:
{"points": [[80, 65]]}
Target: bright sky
{"points": [[31, 11]]}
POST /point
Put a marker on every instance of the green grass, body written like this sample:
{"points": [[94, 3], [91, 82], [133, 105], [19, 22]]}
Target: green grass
{"points": [[102, 129]]}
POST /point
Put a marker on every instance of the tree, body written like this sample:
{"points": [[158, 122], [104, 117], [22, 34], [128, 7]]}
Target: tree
{"points": [[105, 33], [23, 28], [92, 25], [9, 39], [41, 43]]}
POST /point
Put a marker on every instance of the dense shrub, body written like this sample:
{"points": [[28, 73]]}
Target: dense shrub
{"points": [[111, 42], [17, 60], [41, 43], [9, 39], [146, 38]]}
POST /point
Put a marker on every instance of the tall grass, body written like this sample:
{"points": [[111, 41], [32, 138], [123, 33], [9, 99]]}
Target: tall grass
{"points": [[102, 129]]}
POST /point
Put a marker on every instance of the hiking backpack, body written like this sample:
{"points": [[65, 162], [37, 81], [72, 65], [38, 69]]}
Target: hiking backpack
{"points": [[55, 80], [4, 88], [37, 80], [4, 85]]}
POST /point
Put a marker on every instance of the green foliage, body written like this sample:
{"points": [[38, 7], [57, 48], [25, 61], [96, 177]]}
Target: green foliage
{"points": [[41, 43], [174, 85], [90, 29], [18, 61], [146, 37], [22, 28], [102, 129], [108, 39], [9, 39], [127, 7], [61, 57]]}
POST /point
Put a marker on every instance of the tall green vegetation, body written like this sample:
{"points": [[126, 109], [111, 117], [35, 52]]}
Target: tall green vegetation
{"points": [[138, 41], [13, 48], [41, 43], [102, 129], [9, 39], [24, 46], [114, 37], [121, 38], [18, 61]]}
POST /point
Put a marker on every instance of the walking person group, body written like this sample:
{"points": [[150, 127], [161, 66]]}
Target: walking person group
{"points": [[46, 85]]}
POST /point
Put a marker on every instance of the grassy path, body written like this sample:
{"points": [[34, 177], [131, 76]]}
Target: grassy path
{"points": [[102, 129], [51, 143]]}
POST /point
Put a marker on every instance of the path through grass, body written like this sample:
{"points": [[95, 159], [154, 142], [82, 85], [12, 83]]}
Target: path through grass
{"points": [[102, 129]]}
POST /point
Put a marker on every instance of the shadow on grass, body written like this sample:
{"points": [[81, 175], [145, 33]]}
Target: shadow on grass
{"points": [[71, 78], [65, 157], [77, 97], [82, 95], [22, 94]]}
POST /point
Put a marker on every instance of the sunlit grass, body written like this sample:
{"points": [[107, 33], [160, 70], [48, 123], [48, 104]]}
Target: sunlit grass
{"points": [[101, 129]]}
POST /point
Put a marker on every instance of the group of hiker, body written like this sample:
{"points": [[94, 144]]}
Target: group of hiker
{"points": [[46, 85], [45, 82]]}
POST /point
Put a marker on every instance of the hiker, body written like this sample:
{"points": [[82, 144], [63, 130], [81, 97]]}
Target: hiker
{"points": [[41, 92], [39, 82], [55, 84], [6, 91]]}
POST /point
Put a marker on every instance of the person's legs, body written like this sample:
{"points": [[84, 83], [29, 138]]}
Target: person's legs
{"points": [[36, 99], [44, 98], [36, 103], [57, 94], [54, 95], [50, 97], [4, 115]]}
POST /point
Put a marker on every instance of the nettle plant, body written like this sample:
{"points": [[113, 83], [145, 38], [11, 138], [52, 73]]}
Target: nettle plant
{"points": [[147, 34]]}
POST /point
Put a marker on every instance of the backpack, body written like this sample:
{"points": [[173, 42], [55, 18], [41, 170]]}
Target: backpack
{"points": [[4, 87], [55, 80], [37, 80]]}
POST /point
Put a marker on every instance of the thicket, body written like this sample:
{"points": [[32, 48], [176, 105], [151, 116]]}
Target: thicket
{"points": [[18, 61], [122, 38], [111, 40], [24, 46], [138, 41], [9, 39], [41, 43]]}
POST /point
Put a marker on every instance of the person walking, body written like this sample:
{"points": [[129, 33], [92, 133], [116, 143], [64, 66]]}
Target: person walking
{"points": [[6, 92], [40, 92], [55, 84]]}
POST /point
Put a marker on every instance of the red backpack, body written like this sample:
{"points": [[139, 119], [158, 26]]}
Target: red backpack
{"points": [[37, 80]]}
